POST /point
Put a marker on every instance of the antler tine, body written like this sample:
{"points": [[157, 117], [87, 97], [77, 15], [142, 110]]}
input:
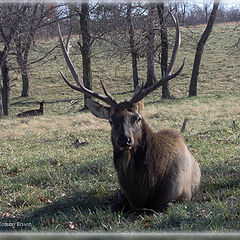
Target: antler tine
{"points": [[142, 94], [68, 40], [69, 84], [67, 59], [138, 89], [107, 93], [77, 88], [167, 76], [81, 88], [176, 44]]}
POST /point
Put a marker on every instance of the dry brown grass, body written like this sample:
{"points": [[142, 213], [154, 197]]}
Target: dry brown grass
{"points": [[40, 125], [202, 115]]}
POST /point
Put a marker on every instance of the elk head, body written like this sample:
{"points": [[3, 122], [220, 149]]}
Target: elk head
{"points": [[125, 118], [42, 105]]}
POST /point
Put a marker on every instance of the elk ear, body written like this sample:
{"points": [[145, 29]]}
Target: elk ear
{"points": [[140, 107], [140, 104], [98, 110]]}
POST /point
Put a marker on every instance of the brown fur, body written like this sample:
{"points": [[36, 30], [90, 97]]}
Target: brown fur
{"points": [[34, 112], [155, 168]]}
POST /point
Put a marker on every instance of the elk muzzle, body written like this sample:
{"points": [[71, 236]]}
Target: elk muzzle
{"points": [[124, 142]]}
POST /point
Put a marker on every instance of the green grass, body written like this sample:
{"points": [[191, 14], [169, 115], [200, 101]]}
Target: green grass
{"points": [[48, 185]]}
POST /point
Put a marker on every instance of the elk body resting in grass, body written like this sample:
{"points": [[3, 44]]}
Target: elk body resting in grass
{"points": [[153, 169], [33, 112]]}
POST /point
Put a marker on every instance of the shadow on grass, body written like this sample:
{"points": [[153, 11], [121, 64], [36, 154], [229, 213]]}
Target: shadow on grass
{"points": [[229, 178], [83, 201]]}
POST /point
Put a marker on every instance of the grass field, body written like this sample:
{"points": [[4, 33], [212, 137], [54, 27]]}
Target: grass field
{"points": [[48, 185]]}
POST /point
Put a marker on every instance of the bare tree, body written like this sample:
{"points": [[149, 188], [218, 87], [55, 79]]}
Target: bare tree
{"points": [[164, 48], [36, 16], [8, 14], [85, 42], [183, 10], [2, 60], [3, 57], [150, 35], [23, 40], [1, 113], [85, 48], [5, 88], [18, 24], [199, 50], [132, 43]]}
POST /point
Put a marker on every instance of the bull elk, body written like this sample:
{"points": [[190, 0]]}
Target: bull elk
{"points": [[33, 112], [153, 169]]}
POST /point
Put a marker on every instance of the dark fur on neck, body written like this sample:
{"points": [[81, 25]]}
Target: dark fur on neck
{"points": [[131, 169]]}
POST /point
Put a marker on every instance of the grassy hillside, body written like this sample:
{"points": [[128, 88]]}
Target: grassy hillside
{"points": [[48, 185]]}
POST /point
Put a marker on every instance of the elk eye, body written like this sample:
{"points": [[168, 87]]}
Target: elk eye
{"points": [[136, 118], [139, 118]]}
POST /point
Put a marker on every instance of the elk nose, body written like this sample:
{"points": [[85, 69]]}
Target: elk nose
{"points": [[124, 141]]}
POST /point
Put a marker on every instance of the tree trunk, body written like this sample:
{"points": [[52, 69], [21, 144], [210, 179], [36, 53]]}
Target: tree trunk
{"points": [[25, 85], [1, 59], [85, 49], [206, 13], [22, 49], [135, 70], [5, 88], [132, 46], [183, 5], [151, 75], [164, 49], [1, 110], [25, 81], [199, 51]]}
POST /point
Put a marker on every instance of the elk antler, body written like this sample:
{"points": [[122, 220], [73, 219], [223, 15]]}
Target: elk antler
{"points": [[80, 87], [168, 76]]}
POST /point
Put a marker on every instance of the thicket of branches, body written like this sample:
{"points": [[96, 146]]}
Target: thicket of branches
{"points": [[137, 29]]}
